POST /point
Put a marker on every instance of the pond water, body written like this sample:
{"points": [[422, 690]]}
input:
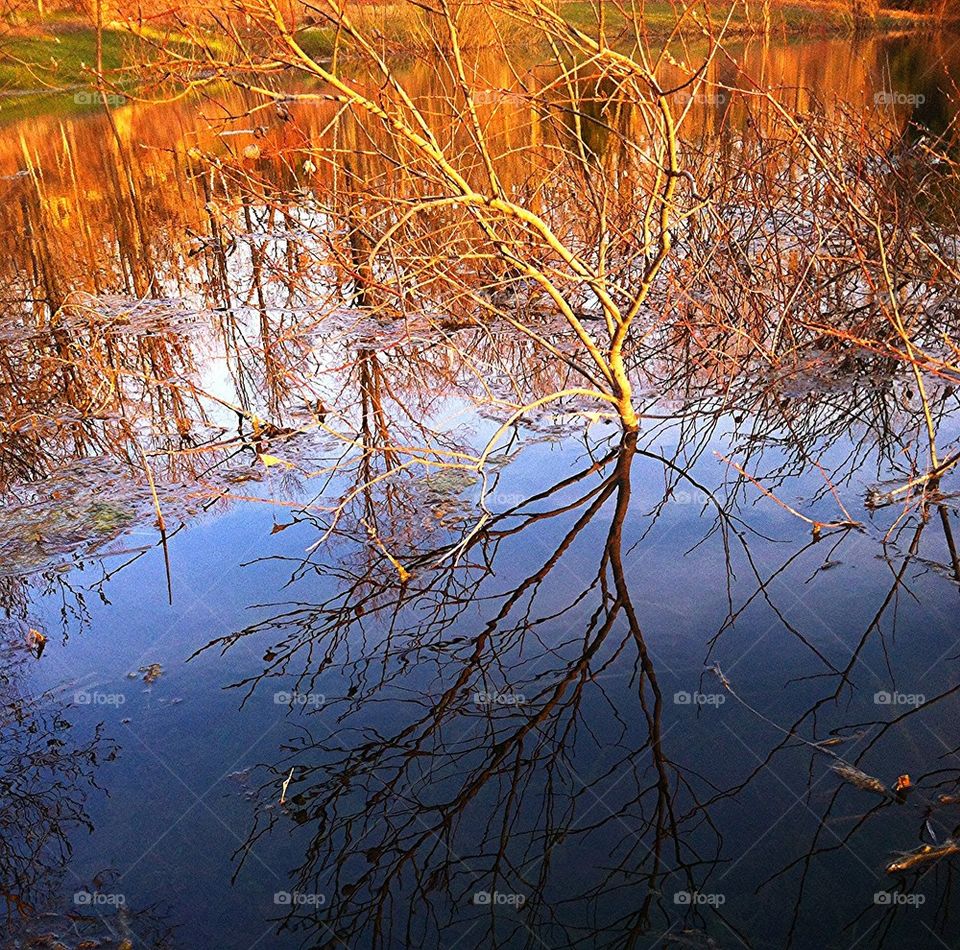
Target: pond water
{"points": [[613, 693]]}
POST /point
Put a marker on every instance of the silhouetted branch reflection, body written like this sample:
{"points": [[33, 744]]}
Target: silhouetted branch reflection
{"points": [[444, 732], [47, 775]]}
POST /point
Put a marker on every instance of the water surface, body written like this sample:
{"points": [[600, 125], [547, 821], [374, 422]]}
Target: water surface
{"points": [[350, 697]]}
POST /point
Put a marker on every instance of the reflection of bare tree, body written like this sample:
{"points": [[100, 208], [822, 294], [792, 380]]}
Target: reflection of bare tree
{"points": [[387, 832], [390, 804], [44, 776], [428, 792], [914, 814]]}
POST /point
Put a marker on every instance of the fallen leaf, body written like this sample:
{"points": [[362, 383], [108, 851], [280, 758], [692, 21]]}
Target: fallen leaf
{"points": [[269, 460], [36, 641]]}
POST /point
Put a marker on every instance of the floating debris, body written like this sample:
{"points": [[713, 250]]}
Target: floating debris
{"points": [[151, 673], [903, 783], [106, 517], [284, 787], [835, 740], [53, 520], [854, 776], [449, 482], [36, 641], [690, 938], [912, 860], [902, 788], [237, 476]]}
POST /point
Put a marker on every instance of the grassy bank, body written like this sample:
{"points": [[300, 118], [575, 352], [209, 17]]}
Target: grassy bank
{"points": [[403, 26], [794, 17], [47, 65]]}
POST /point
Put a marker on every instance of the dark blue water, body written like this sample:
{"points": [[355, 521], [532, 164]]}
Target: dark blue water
{"points": [[532, 717]]}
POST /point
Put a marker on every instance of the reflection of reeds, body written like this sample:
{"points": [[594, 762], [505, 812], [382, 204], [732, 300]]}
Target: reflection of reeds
{"points": [[754, 292]]}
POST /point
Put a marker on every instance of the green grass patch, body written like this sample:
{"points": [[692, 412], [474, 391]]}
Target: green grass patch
{"points": [[793, 16], [583, 14], [48, 73], [49, 67], [57, 59], [317, 41]]}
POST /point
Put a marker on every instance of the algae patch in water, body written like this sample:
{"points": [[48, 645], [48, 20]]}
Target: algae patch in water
{"points": [[106, 517], [451, 482], [75, 510]]}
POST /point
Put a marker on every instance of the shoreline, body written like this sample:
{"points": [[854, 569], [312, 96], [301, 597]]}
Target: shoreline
{"points": [[23, 83]]}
